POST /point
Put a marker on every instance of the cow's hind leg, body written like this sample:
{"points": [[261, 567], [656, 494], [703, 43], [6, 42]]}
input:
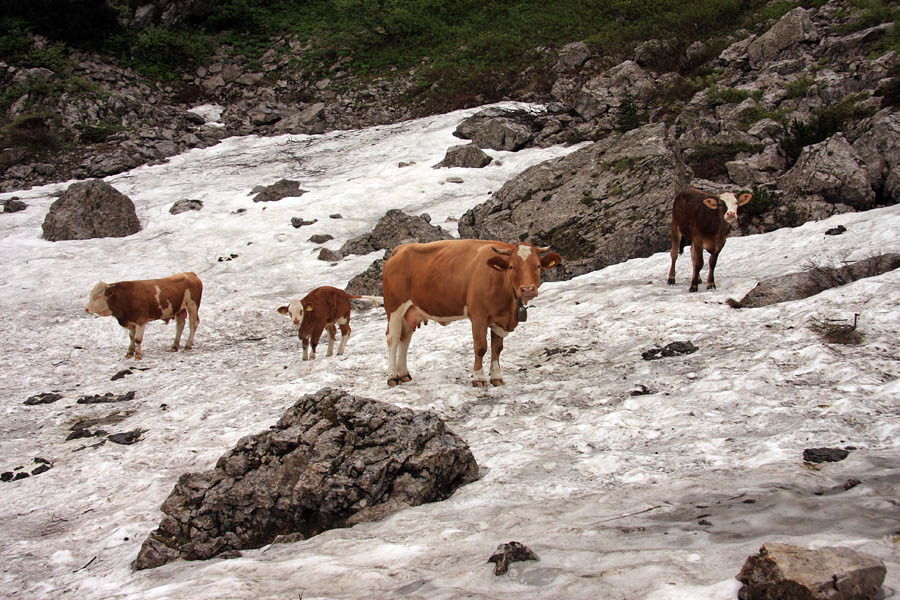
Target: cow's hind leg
{"points": [[401, 325], [130, 351], [138, 340], [345, 334], [193, 311], [711, 277], [697, 260], [676, 250], [179, 327]]}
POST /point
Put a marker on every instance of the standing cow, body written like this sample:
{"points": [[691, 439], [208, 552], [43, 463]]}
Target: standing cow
{"points": [[487, 282], [135, 303], [321, 309], [703, 220]]}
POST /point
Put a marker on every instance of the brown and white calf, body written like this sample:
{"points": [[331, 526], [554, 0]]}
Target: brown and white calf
{"points": [[320, 310], [703, 220], [136, 303], [487, 282]]}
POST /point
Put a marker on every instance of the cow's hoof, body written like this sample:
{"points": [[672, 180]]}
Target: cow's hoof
{"points": [[479, 383], [173, 349], [138, 356], [129, 355], [693, 288], [671, 282], [394, 381], [711, 286], [496, 382]]}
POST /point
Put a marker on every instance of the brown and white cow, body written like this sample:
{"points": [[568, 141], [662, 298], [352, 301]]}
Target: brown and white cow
{"points": [[319, 310], [703, 220], [136, 303], [487, 282]]}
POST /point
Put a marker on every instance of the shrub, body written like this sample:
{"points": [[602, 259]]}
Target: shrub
{"points": [[163, 53], [707, 160], [763, 201], [799, 87], [627, 117], [823, 124]]}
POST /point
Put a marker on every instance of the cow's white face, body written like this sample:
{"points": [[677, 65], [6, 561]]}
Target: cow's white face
{"points": [[523, 269], [731, 206], [294, 310], [97, 301]]}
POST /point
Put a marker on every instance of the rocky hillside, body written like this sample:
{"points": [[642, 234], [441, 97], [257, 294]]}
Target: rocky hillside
{"points": [[803, 112]]}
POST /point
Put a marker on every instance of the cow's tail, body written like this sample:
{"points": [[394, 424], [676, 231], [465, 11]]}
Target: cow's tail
{"points": [[375, 300]]}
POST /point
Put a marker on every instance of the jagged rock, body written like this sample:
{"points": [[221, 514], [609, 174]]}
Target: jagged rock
{"points": [[368, 283], [820, 455], [11, 205], [602, 96], [329, 255], [879, 149], [394, 228], [90, 209], [320, 238], [597, 206], [465, 155], [298, 222], [185, 205], [573, 55], [283, 188], [786, 572], [43, 398], [332, 460], [671, 349], [793, 28], [834, 170], [498, 129], [796, 286], [508, 553]]}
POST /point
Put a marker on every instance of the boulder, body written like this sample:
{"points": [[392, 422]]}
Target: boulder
{"points": [[834, 170], [498, 129], [602, 204], [879, 149], [602, 96], [572, 56], [185, 205], [394, 228], [283, 188], [792, 29], [90, 209], [332, 460], [465, 155], [786, 572]]}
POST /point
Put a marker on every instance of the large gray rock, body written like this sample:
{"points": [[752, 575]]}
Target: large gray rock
{"points": [[498, 129], [602, 96], [469, 156], [283, 188], [792, 29], [332, 460], [394, 228], [90, 209], [834, 170], [879, 149], [597, 206], [786, 572]]}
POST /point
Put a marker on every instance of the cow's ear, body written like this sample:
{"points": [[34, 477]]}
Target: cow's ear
{"points": [[283, 310], [744, 199], [498, 262], [550, 260], [712, 203]]}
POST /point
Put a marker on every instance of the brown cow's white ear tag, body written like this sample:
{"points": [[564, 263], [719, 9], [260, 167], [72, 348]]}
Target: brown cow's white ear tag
{"points": [[309, 308]]}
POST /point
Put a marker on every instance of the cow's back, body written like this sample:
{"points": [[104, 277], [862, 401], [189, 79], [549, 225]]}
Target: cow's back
{"points": [[146, 300], [434, 276], [329, 303]]}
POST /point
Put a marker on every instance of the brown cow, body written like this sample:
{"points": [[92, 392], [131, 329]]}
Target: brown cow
{"points": [[319, 310], [487, 282], [703, 220], [135, 303]]}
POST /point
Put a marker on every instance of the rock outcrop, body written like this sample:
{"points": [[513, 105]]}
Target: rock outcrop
{"points": [[332, 460]]}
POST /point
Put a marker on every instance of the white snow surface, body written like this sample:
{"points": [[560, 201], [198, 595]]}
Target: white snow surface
{"points": [[659, 496]]}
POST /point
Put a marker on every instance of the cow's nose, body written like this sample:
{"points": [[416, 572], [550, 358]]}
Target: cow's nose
{"points": [[527, 292], [730, 217]]}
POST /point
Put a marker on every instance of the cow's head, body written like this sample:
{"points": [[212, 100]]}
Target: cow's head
{"points": [[730, 203], [97, 303], [296, 311], [522, 266]]}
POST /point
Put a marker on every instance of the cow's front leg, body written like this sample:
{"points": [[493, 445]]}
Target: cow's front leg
{"points": [[711, 277], [697, 260], [332, 332], [497, 336], [479, 337], [304, 341], [314, 341]]}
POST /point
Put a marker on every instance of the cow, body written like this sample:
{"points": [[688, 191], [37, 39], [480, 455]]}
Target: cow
{"points": [[485, 281], [321, 309], [136, 303], [703, 220]]}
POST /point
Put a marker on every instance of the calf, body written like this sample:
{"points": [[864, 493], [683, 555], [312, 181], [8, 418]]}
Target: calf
{"points": [[135, 303], [703, 220], [321, 309]]}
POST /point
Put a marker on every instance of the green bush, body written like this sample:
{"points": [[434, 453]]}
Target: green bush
{"points": [[163, 53], [823, 124], [799, 87], [763, 200], [707, 160]]}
